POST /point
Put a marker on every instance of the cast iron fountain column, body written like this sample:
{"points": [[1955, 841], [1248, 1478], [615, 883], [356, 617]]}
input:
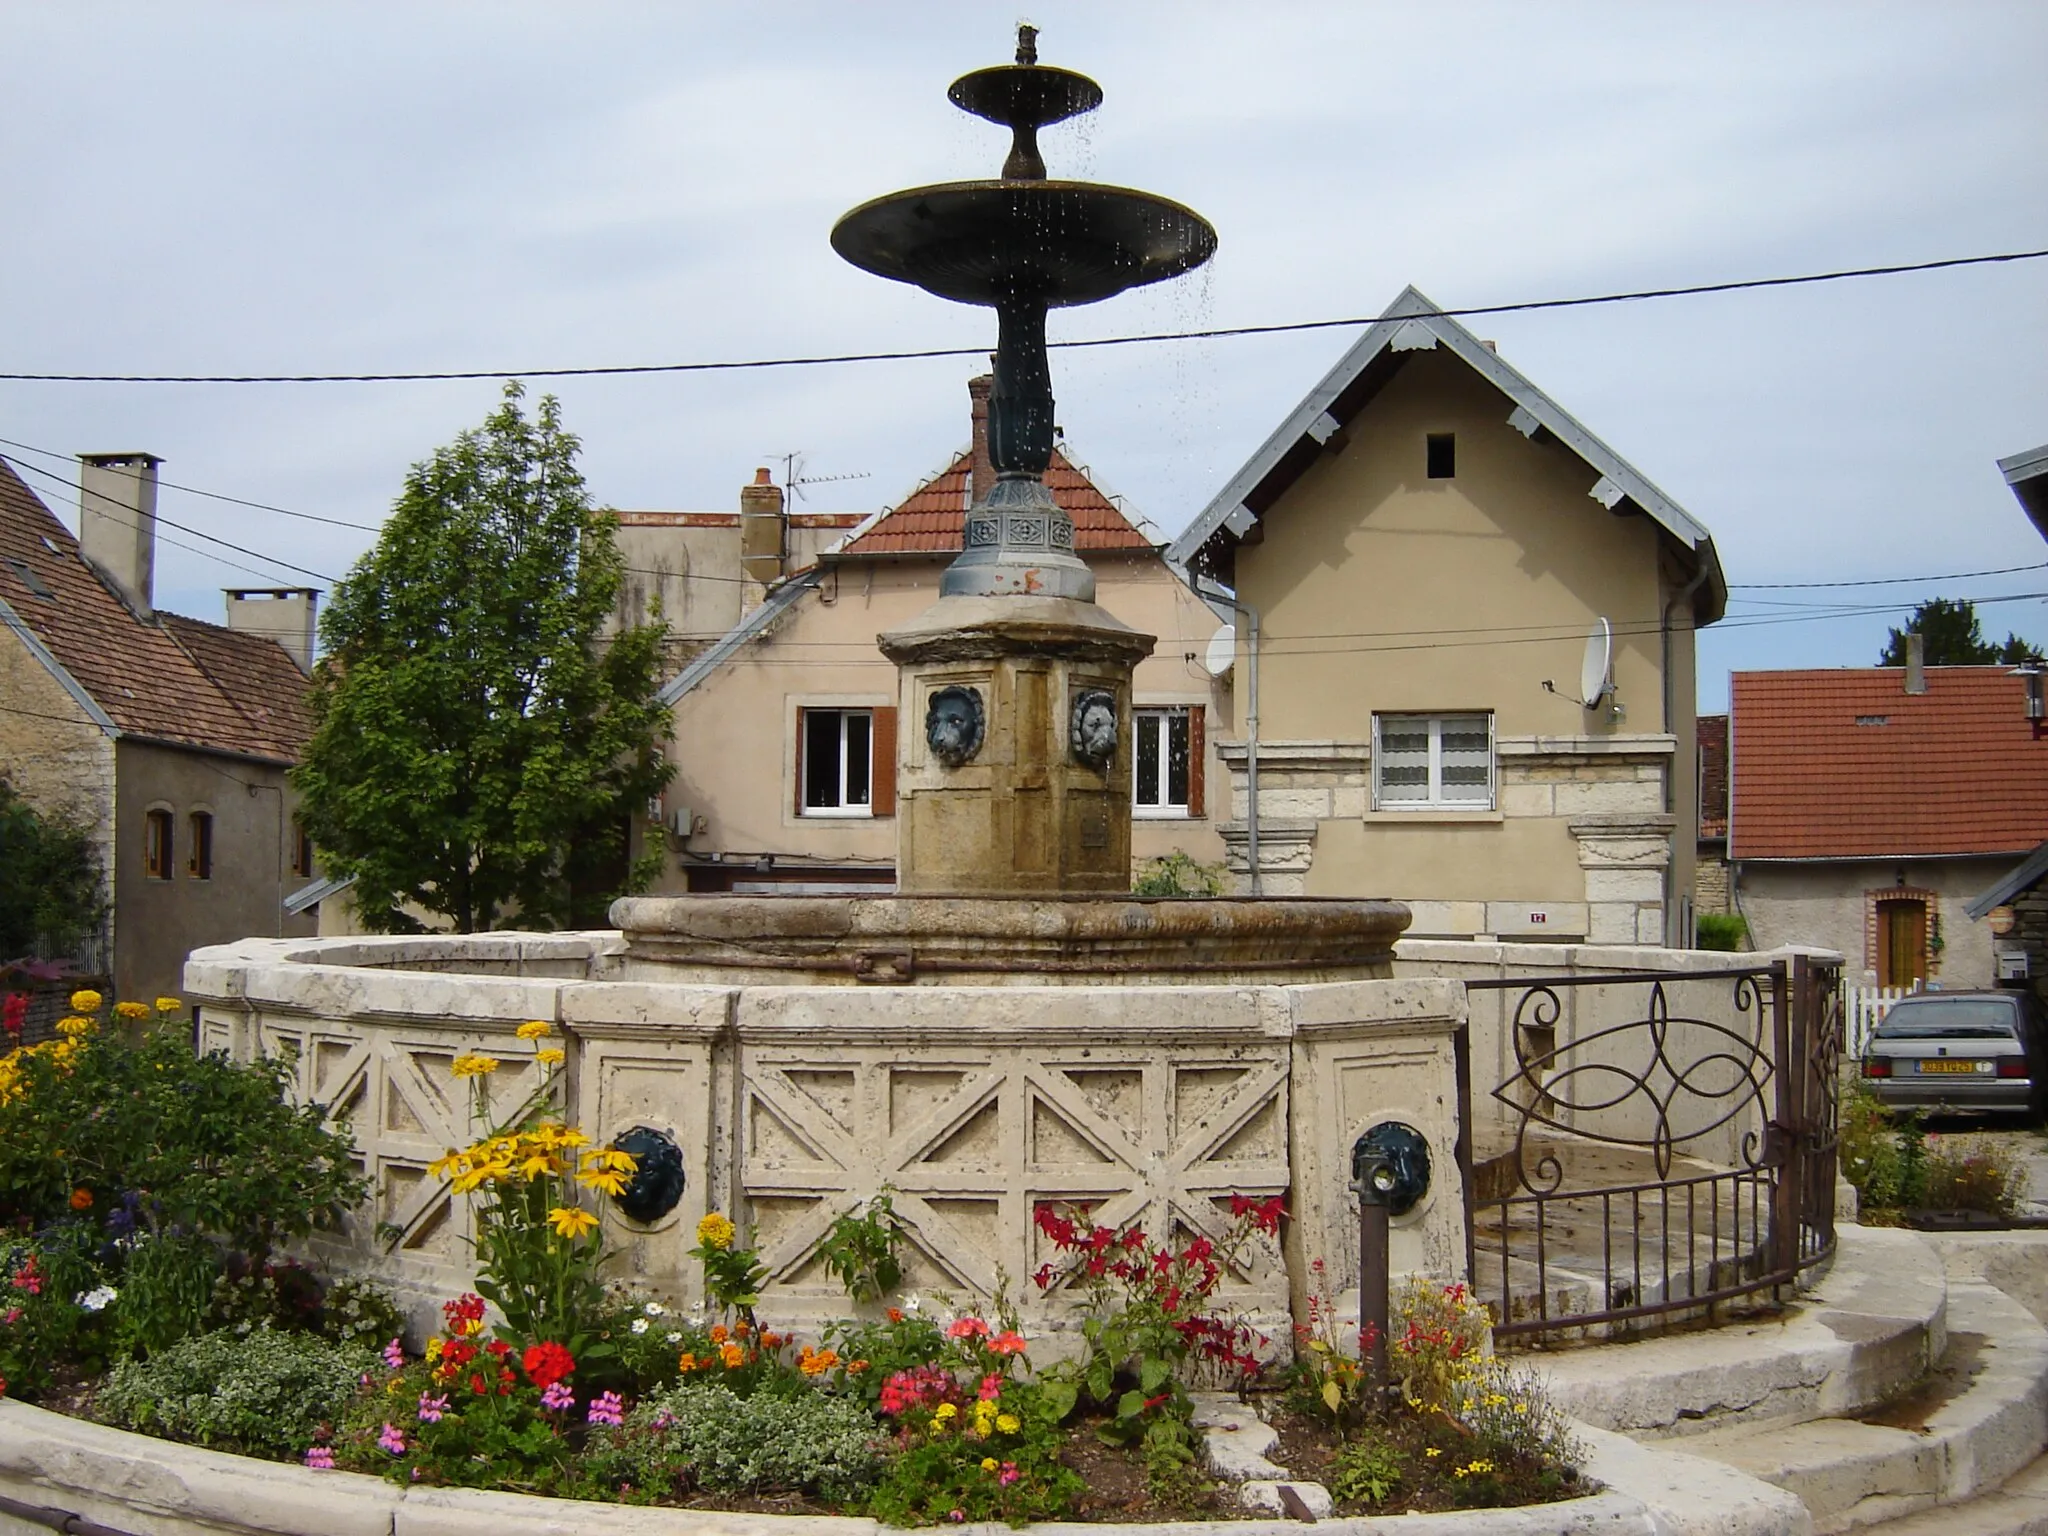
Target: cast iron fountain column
{"points": [[1014, 769]]}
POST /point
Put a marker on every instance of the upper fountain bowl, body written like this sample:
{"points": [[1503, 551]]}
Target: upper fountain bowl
{"points": [[1025, 95], [1056, 242]]}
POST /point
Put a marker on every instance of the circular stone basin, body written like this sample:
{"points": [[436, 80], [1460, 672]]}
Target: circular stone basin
{"points": [[1060, 242], [1019, 941]]}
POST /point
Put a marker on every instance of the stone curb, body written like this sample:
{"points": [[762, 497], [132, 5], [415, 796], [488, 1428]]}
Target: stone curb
{"points": [[1873, 1325], [159, 1488]]}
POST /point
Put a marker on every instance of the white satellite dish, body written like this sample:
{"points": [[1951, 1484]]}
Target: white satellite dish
{"points": [[1222, 650], [1596, 673]]}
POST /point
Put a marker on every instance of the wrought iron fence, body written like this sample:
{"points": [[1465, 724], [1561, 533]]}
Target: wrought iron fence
{"points": [[1659, 1157]]}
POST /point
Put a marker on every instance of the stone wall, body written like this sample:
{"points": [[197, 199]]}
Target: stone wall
{"points": [[792, 1105], [51, 751], [1835, 904]]}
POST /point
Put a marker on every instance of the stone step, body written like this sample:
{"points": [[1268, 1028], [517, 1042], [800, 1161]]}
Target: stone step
{"points": [[1960, 1436], [2019, 1507]]}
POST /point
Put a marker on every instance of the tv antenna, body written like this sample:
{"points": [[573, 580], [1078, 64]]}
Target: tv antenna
{"points": [[794, 479]]}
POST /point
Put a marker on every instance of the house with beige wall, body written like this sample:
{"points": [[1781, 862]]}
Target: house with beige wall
{"points": [[1428, 541], [169, 738], [786, 725]]}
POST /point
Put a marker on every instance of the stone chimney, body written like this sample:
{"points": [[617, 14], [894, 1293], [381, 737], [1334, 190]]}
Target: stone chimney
{"points": [[1916, 663], [117, 523], [984, 479], [764, 535], [285, 614]]}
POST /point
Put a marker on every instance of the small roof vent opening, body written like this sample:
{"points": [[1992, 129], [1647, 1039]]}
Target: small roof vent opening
{"points": [[1443, 455], [1873, 719], [28, 577]]}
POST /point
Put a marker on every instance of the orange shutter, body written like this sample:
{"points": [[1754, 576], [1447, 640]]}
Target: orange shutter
{"points": [[883, 768], [798, 776], [1198, 750]]}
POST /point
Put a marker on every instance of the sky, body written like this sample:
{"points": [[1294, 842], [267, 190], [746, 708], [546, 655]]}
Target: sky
{"points": [[307, 188]]}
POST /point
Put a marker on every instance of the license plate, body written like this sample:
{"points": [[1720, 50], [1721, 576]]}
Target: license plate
{"points": [[1946, 1065]]}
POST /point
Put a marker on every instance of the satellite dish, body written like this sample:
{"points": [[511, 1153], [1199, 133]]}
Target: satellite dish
{"points": [[1222, 650], [1596, 673]]}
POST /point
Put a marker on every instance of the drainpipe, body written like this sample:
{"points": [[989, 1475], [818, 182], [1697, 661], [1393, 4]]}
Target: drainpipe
{"points": [[1216, 592], [1684, 594]]}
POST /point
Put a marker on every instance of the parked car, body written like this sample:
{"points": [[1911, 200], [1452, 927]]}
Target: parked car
{"points": [[1984, 1052]]}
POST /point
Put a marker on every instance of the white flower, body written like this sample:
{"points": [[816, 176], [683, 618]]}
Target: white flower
{"points": [[675, 1337], [96, 1299], [655, 1309], [639, 1325], [913, 1304]]}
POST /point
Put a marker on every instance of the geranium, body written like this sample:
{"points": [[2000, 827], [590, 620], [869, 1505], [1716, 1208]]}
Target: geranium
{"points": [[321, 1458], [556, 1397], [547, 1363], [1008, 1342], [81, 1199], [14, 1013], [465, 1314], [431, 1408], [392, 1439], [607, 1408], [968, 1328]]}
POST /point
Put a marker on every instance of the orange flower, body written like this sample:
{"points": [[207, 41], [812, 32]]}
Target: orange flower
{"points": [[772, 1340], [719, 1334], [81, 1198], [733, 1356], [855, 1367], [816, 1362], [895, 1314], [688, 1362]]}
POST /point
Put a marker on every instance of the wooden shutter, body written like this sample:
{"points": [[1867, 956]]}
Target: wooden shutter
{"points": [[1198, 748], [882, 766], [798, 776]]}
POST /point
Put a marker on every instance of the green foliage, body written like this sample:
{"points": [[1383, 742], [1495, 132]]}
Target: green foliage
{"points": [[478, 746], [995, 1458], [1325, 1380], [43, 1326], [474, 1420], [1896, 1165], [166, 1287], [290, 1295], [263, 1392], [1969, 1173], [1951, 637], [1179, 874], [1722, 930], [861, 1249], [144, 1137], [905, 1341], [733, 1273], [51, 890], [702, 1435], [1366, 1471]]}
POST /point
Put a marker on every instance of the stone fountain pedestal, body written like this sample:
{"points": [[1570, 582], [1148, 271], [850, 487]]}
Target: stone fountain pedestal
{"points": [[1042, 803]]}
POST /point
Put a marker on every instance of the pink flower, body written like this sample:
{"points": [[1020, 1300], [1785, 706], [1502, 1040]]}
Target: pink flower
{"points": [[607, 1408], [1008, 1475], [321, 1457], [956, 1515], [556, 1396], [968, 1328], [13, 1316], [392, 1440], [394, 1355], [431, 1408], [991, 1388], [1008, 1342]]}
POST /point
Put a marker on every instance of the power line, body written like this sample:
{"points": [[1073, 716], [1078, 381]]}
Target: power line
{"points": [[311, 517], [1213, 333], [1881, 581]]}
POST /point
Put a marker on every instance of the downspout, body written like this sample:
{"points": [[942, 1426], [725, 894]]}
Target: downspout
{"points": [[1218, 593], [1684, 594]]}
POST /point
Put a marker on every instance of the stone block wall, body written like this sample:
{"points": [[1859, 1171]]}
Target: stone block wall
{"points": [[793, 1105]]}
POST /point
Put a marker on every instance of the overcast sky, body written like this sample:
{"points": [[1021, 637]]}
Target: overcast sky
{"points": [[255, 188]]}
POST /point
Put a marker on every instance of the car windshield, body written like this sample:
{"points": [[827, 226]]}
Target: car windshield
{"points": [[1949, 1017]]}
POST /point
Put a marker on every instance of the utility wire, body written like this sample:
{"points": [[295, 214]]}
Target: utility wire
{"points": [[1524, 306], [172, 485], [1880, 581]]}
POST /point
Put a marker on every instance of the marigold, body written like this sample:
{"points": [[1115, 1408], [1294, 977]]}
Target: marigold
{"points": [[716, 1231], [816, 1362], [73, 1026], [81, 1198], [85, 1000], [534, 1029], [1008, 1423], [571, 1220], [473, 1064], [170, 1005], [131, 1010], [551, 1057], [732, 1356]]}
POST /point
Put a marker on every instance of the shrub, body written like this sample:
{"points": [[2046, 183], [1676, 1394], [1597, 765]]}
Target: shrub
{"points": [[703, 1434], [265, 1392], [1970, 1173], [1178, 874], [861, 1249], [1722, 930], [872, 1353], [1366, 1471]]}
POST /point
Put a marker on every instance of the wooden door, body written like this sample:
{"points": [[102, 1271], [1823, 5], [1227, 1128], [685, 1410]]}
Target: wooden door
{"points": [[1901, 943]]}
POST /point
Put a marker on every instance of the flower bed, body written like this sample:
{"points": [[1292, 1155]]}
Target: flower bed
{"points": [[147, 1190]]}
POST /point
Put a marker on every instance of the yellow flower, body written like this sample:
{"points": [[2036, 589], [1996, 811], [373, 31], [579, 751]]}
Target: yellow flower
{"points": [[613, 1184], [533, 1029], [169, 1005], [716, 1231], [548, 1058], [131, 1010], [988, 1464], [571, 1220], [1008, 1423], [473, 1064], [537, 1165], [73, 1026], [85, 1000], [433, 1349], [468, 1180], [441, 1167], [946, 1411], [1431, 1451], [624, 1162]]}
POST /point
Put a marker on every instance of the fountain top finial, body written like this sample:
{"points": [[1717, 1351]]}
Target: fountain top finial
{"points": [[1027, 43]]}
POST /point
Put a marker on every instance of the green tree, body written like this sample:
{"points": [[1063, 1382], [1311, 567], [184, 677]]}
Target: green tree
{"points": [[50, 888], [1953, 638], [478, 746]]}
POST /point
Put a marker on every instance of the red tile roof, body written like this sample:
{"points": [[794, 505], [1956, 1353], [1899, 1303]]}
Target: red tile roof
{"points": [[174, 680], [1847, 764], [933, 518]]}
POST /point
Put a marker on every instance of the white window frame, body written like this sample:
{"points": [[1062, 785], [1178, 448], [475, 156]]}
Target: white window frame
{"points": [[842, 810], [1148, 716], [1436, 799]]}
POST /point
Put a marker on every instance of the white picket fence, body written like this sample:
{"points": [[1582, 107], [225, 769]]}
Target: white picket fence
{"points": [[1862, 1007]]}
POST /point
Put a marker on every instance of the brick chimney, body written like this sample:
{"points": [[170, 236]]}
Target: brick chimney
{"points": [[285, 614], [984, 478], [117, 523], [764, 534], [1916, 663]]}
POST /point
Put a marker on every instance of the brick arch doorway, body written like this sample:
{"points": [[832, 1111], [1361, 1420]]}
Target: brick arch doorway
{"points": [[1901, 941]]}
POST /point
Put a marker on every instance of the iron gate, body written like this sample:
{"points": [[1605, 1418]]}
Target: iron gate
{"points": [[1654, 1157]]}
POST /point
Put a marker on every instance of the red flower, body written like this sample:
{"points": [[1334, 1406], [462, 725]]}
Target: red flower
{"points": [[547, 1363], [476, 1384], [1055, 1226], [1200, 1248], [466, 1308], [1045, 1276], [499, 1348], [14, 1013], [458, 1352]]}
